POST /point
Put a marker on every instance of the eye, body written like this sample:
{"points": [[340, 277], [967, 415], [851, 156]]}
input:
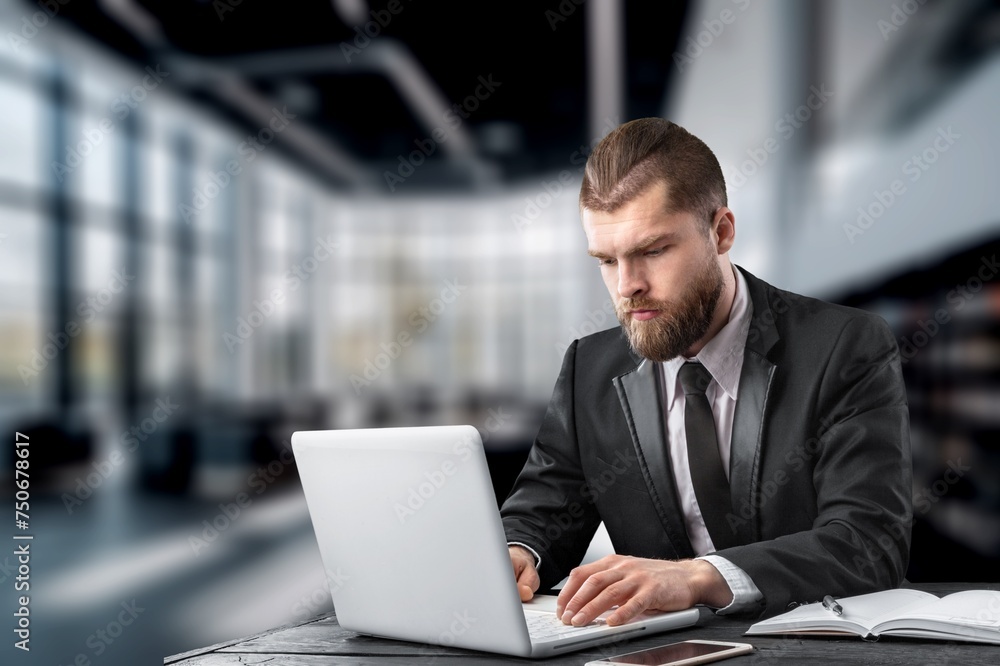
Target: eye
{"points": [[655, 252], [606, 262]]}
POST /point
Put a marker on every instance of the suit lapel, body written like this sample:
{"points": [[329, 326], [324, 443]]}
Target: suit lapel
{"points": [[751, 403], [744, 453], [640, 394]]}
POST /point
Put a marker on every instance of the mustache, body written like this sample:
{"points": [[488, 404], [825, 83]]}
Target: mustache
{"points": [[627, 304]]}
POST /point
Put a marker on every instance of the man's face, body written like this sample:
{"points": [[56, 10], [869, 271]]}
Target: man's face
{"points": [[661, 269]]}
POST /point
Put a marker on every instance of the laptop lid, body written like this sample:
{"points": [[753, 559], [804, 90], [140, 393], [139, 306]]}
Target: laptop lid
{"points": [[407, 524], [408, 520]]}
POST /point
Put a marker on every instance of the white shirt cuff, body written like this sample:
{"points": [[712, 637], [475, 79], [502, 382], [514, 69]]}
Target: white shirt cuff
{"points": [[746, 595], [538, 560]]}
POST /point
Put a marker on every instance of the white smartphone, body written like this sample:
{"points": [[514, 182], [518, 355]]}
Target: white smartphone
{"points": [[685, 653]]}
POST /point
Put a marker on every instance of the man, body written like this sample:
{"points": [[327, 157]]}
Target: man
{"points": [[747, 448]]}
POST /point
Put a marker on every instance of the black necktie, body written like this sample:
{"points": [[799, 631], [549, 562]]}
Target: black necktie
{"points": [[710, 484]]}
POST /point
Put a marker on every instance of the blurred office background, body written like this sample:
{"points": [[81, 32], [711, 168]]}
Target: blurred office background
{"points": [[222, 222]]}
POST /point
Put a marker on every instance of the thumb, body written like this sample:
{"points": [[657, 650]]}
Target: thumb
{"points": [[527, 582]]}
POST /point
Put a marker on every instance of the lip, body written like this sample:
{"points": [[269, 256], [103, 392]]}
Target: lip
{"points": [[643, 315]]}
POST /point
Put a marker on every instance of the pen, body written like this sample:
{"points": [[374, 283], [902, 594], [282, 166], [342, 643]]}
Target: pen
{"points": [[831, 604]]}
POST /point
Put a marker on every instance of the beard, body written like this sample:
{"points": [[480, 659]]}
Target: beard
{"points": [[677, 327]]}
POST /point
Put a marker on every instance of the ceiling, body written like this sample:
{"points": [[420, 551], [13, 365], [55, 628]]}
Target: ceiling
{"points": [[363, 106]]}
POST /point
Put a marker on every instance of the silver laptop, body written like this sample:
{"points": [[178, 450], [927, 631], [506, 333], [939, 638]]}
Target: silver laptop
{"points": [[410, 535]]}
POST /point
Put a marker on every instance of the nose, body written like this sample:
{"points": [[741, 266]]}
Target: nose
{"points": [[631, 280]]}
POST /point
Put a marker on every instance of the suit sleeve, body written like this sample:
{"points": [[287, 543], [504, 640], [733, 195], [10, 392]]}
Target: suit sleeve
{"points": [[862, 475], [547, 509]]}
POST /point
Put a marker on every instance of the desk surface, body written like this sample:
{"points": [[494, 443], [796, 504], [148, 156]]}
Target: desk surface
{"points": [[321, 640]]}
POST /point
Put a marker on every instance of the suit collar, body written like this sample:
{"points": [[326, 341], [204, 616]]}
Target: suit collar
{"points": [[766, 300]]}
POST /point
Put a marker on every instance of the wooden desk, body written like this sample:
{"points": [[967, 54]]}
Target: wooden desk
{"points": [[320, 640]]}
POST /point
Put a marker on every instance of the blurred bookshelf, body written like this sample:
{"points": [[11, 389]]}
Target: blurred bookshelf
{"points": [[945, 316]]}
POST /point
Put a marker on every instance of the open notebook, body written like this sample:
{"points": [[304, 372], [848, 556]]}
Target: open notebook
{"points": [[973, 615]]}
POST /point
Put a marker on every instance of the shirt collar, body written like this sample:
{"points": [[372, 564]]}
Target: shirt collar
{"points": [[723, 355]]}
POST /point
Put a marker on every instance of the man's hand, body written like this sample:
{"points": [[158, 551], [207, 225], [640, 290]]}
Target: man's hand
{"points": [[635, 585], [524, 572]]}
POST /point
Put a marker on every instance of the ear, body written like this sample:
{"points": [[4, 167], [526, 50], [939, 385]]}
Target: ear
{"points": [[723, 231]]}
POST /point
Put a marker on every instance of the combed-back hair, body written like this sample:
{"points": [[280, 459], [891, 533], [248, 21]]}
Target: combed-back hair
{"points": [[635, 155]]}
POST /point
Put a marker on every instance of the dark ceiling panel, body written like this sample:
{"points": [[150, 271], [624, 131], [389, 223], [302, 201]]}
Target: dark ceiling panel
{"points": [[307, 56]]}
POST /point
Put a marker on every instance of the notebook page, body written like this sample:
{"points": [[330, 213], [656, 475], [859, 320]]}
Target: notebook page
{"points": [[977, 608], [871, 609]]}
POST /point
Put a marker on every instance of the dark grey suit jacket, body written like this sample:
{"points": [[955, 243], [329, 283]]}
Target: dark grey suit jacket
{"points": [[820, 467]]}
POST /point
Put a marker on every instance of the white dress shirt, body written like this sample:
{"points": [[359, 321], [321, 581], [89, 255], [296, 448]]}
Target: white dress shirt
{"points": [[723, 358]]}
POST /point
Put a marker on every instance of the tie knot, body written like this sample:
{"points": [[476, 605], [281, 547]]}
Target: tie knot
{"points": [[694, 378]]}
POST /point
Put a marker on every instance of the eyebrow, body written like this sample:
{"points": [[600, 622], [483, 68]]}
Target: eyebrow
{"points": [[641, 246]]}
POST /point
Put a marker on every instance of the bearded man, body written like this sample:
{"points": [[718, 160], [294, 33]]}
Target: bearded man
{"points": [[747, 448]]}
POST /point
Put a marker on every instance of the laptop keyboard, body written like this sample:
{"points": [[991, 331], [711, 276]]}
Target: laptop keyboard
{"points": [[547, 625]]}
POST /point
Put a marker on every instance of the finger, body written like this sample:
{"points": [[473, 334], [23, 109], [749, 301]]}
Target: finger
{"points": [[613, 594], [570, 587], [519, 560], [576, 578], [628, 610], [565, 594], [588, 591], [523, 590], [528, 582]]}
